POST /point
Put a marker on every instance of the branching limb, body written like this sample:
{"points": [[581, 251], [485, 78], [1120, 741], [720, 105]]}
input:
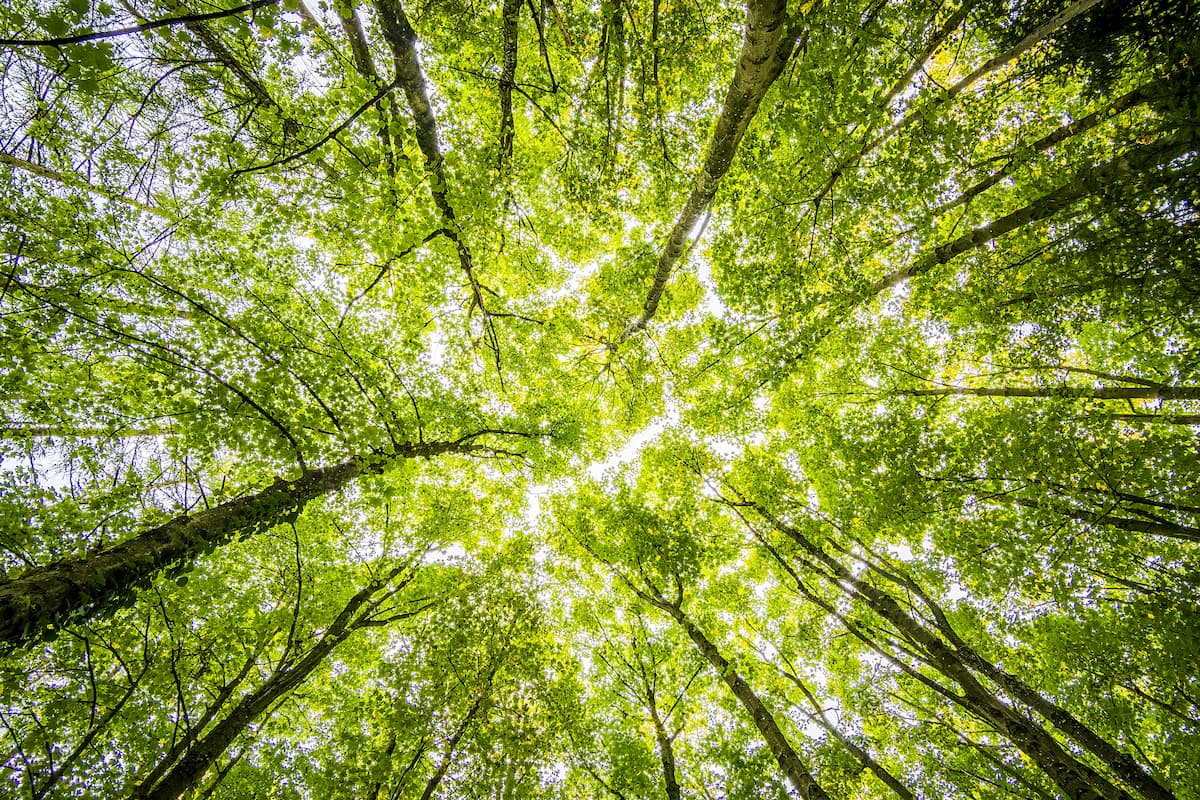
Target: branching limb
{"points": [[93, 36]]}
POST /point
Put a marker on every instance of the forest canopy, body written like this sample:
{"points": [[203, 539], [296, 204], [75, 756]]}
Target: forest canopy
{"points": [[613, 399]]}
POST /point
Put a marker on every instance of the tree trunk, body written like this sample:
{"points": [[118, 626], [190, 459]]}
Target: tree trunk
{"points": [[86, 585], [508, 18], [402, 40], [666, 750], [1057, 136], [864, 758], [1121, 764], [1076, 779], [200, 757], [1086, 182], [1156, 528], [666, 754], [210, 713], [766, 46], [1082, 392], [439, 774], [793, 768], [993, 64]]}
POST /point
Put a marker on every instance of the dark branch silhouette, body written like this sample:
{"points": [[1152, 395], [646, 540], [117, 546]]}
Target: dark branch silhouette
{"points": [[92, 36]]}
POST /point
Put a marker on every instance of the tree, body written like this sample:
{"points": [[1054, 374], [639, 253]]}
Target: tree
{"points": [[644, 398]]}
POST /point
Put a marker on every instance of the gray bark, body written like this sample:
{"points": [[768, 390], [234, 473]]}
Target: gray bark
{"points": [[45, 594], [767, 44]]}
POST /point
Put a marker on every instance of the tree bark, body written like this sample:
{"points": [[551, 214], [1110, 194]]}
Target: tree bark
{"points": [[360, 51], [1162, 419], [766, 46], [1077, 780], [793, 768], [1082, 392], [1157, 528], [1121, 764], [508, 26], [213, 43], [992, 64], [86, 585], [78, 182], [439, 774], [1057, 136], [210, 713], [666, 754], [191, 768], [864, 758], [402, 40], [1087, 181], [150, 25]]}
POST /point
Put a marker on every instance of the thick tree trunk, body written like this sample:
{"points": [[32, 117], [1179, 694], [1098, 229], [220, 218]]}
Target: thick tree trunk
{"points": [[50, 593], [766, 47]]}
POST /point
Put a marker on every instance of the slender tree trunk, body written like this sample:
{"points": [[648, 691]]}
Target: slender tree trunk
{"points": [[65, 766], [1035, 36], [1161, 419], [360, 51], [402, 40], [508, 29], [933, 45], [1082, 184], [1121, 764], [213, 43], [1083, 392], [864, 758], [377, 786], [203, 754], [1157, 528], [78, 182], [1076, 779], [992, 64], [86, 585], [793, 768], [1058, 135], [666, 754], [766, 47], [439, 774], [666, 749], [210, 713], [222, 773]]}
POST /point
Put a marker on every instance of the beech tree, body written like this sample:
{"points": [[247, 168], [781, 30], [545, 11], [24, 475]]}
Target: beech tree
{"points": [[643, 398]]}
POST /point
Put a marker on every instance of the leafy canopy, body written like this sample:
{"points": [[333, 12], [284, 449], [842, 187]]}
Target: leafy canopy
{"points": [[615, 399]]}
